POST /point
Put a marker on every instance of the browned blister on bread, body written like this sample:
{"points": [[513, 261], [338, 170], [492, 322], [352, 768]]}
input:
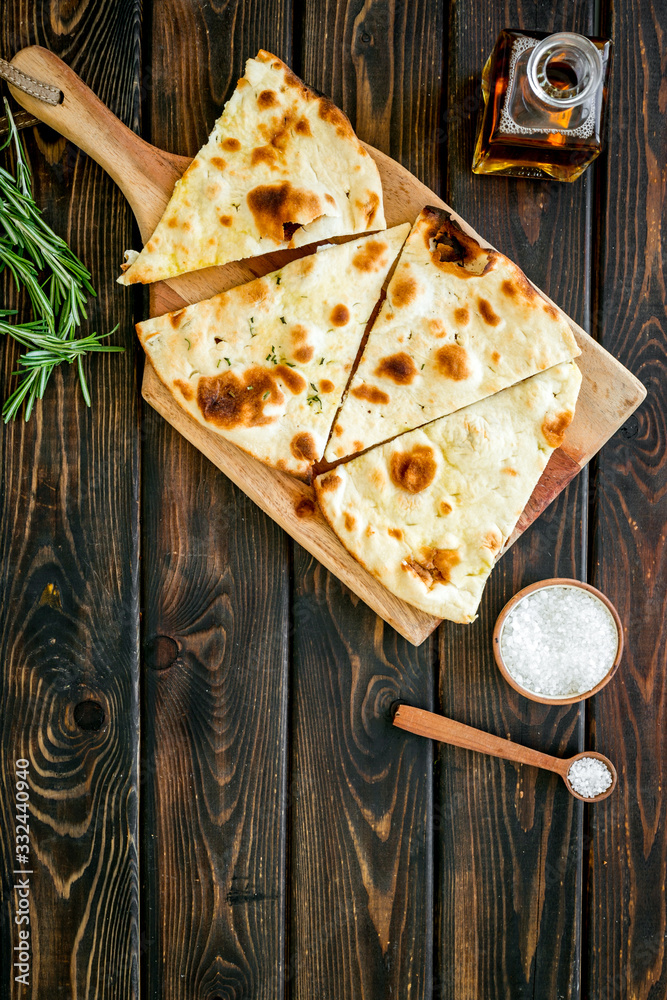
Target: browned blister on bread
{"points": [[282, 168], [459, 323], [265, 364], [429, 512]]}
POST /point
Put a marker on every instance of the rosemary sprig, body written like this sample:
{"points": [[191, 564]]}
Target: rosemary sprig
{"points": [[55, 280]]}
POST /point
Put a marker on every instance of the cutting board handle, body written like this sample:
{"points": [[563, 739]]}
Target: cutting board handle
{"points": [[140, 170]]}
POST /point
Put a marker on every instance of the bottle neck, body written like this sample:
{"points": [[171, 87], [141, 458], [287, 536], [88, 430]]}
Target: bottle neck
{"points": [[564, 70]]}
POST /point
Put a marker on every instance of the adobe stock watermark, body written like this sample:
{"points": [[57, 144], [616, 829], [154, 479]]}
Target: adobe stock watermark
{"points": [[22, 946]]}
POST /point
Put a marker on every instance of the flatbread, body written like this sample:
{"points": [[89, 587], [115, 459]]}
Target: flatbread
{"points": [[265, 364], [282, 168], [429, 512], [459, 323]]}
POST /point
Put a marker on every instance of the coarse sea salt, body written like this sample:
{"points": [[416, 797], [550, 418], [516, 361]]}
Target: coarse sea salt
{"points": [[589, 777], [559, 641]]}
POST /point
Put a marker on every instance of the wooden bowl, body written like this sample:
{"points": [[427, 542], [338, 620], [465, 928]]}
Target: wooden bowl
{"points": [[563, 582]]}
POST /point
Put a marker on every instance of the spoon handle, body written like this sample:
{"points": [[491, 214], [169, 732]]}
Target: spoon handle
{"points": [[439, 727]]}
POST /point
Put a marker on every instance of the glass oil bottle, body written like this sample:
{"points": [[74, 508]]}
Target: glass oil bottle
{"points": [[545, 99]]}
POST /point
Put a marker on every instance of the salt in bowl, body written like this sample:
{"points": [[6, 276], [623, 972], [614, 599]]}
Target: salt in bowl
{"points": [[567, 641]]}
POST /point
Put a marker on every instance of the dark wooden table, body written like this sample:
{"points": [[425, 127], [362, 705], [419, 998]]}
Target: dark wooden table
{"points": [[220, 807]]}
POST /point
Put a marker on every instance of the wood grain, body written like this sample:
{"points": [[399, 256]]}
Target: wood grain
{"points": [[361, 821], [69, 599], [509, 861], [360, 795], [498, 853], [216, 585], [626, 864]]}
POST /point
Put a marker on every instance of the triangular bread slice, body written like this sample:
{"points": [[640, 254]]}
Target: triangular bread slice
{"points": [[265, 364], [459, 323], [282, 168], [429, 512]]}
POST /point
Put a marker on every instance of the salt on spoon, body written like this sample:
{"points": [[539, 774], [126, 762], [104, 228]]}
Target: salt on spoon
{"points": [[589, 777], [581, 773]]}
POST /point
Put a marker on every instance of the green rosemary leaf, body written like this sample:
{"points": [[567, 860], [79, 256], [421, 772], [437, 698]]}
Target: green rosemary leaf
{"points": [[13, 403], [82, 380], [25, 276], [57, 283]]}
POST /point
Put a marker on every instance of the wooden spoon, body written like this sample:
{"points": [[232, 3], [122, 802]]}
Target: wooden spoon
{"points": [[438, 727]]}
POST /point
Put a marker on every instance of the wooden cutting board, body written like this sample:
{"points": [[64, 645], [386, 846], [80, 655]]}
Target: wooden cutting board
{"points": [[146, 175]]}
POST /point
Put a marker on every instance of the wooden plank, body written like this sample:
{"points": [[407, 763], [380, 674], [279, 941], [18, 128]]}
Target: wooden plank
{"points": [[69, 599], [361, 819], [627, 913], [216, 586], [509, 860]]}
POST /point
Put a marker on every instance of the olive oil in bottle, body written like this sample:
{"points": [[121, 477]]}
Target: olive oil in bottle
{"points": [[545, 98]]}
